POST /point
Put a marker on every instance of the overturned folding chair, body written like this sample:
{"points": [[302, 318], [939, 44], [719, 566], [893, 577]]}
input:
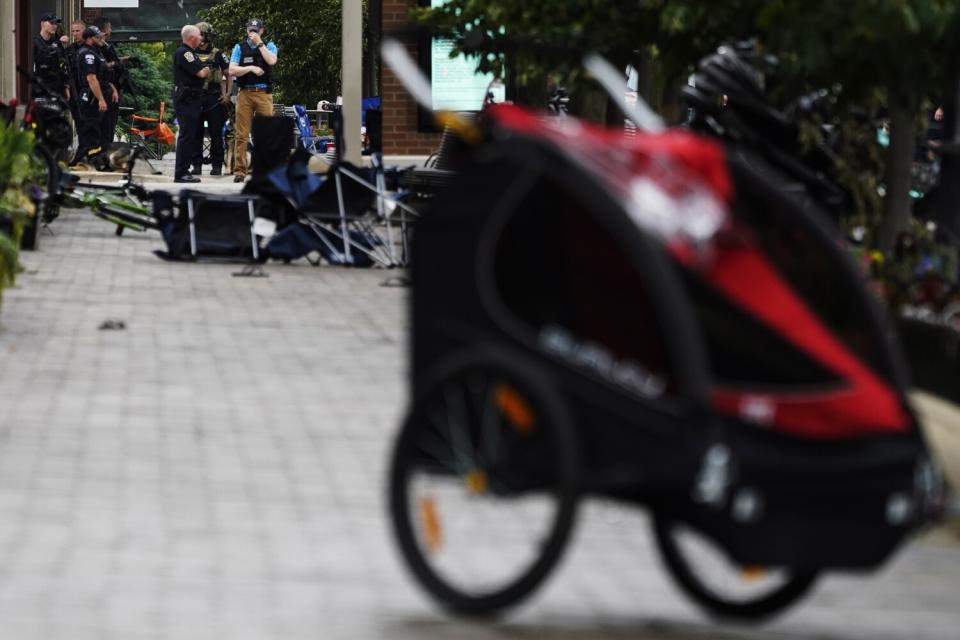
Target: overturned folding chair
{"points": [[309, 141], [359, 222]]}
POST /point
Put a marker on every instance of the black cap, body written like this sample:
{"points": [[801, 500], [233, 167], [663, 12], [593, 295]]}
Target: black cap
{"points": [[50, 17], [255, 24], [91, 32]]}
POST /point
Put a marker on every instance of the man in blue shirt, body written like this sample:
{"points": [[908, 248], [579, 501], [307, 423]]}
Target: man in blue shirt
{"points": [[251, 63]]}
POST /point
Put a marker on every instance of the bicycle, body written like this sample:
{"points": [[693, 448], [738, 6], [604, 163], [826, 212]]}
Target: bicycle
{"points": [[47, 115], [127, 205]]}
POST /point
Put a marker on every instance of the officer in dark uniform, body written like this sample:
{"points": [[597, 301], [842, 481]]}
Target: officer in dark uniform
{"points": [[117, 76], [94, 90], [49, 57], [73, 67], [188, 78], [216, 95]]}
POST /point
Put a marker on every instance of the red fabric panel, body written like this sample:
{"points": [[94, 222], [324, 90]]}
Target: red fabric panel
{"points": [[616, 157], [865, 405]]}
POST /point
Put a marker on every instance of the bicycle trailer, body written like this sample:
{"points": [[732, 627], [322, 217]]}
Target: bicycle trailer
{"points": [[647, 319]]}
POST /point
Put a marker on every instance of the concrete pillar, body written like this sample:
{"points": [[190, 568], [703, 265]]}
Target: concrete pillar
{"points": [[352, 77], [8, 51]]}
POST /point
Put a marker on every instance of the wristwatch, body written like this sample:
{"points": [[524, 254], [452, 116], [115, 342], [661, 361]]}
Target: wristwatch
{"points": [[260, 45]]}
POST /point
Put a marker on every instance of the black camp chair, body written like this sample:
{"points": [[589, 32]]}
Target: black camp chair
{"points": [[272, 144], [349, 213], [208, 227], [352, 218], [588, 320], [356, 221]]}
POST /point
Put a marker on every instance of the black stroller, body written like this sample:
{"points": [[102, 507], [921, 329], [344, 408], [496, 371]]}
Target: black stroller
{"points": [[647, 319]]}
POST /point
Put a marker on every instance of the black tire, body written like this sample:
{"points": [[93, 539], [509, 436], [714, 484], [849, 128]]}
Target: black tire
{"points": [[139, 221], [791, 586], [48, 207], [30, 239], [492, 422], [49, 181]]}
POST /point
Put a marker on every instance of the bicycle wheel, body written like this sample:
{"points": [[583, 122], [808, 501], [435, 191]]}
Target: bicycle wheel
{"points": [[126, 218], [703, 571], [483, 484]]}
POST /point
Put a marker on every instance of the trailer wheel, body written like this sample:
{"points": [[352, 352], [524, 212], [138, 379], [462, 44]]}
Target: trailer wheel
{"points": [[483, 484], [725, 590]]}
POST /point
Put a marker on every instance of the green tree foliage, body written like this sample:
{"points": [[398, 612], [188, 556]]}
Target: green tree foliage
{"points": [[151, 74], [544, 37], [307, 34], [895, 53], [892, 53]]}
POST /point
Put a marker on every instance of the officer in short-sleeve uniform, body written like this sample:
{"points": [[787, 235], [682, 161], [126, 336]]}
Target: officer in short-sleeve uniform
{"points": [[188, 78], [115, 66], [94, 77], [73, 68]]}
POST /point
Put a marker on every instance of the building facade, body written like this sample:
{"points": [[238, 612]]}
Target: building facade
{"points": [[401, 135], [19, 22]]}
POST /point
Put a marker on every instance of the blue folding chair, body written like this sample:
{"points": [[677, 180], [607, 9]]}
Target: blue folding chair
{"points": [[310, 142]]}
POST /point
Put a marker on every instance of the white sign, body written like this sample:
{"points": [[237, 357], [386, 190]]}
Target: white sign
{"points": [[111, 4], [455, 83]]}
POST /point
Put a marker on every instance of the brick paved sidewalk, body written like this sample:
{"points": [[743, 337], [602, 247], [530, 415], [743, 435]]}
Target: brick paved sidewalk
{"points": [[216, 470]]}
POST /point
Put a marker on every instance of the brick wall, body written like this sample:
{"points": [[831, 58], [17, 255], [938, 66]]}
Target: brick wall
{"points": [[400, 135]]}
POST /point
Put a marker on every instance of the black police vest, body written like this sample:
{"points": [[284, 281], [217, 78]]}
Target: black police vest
{"points": [[48, 62], [211, 83], [251, 57], [102, 73]]}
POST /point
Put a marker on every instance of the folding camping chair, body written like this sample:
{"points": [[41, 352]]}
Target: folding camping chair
{"points": [[357, 220], [208, 227], [312, 143]]}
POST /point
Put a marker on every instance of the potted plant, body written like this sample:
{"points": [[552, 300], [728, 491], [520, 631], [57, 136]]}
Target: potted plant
{"points": [[16, 206]]}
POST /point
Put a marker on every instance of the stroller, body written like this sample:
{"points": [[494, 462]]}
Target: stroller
{"points": [[646, 319]]}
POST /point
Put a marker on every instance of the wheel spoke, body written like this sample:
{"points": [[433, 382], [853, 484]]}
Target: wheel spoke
{"points": [[491, 428], [438, 450], [462, 460], [458, 424]]}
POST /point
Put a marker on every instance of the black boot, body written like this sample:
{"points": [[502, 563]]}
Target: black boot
{"points": [[216, 170]]}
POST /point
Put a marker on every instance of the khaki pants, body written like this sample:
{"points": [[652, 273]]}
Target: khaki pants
{"points": [[248, 103]]}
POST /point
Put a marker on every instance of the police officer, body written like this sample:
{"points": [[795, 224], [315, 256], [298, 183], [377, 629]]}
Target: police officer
{"points": [[117, 74], [94, 90], [251, 63], [49, 57], [188, 78], [73, 67], [215, 97]]}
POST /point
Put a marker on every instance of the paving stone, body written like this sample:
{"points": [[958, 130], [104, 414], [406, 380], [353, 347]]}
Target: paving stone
{"points": [[217, 470]]}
